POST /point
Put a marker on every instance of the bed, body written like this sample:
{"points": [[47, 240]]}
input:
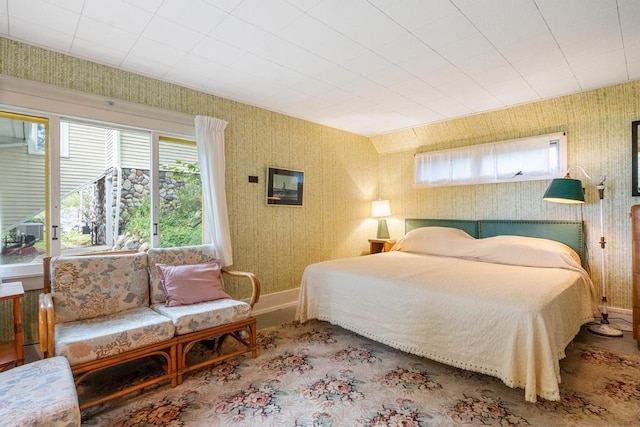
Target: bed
{"points": [[503, 298]]}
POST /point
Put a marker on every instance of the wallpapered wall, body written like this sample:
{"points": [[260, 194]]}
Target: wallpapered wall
{"points": [[598, 126], [343, 172], [275, 243]]}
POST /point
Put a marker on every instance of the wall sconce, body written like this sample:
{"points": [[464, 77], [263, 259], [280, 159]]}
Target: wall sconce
{"points": [[569, 190], [381, 209]]}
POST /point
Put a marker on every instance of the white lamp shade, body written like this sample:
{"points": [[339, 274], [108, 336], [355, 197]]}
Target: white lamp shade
{"points": [[380, 208]]}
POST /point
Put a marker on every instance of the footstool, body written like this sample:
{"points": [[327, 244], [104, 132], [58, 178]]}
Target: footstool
{"points": [[41, 393]]}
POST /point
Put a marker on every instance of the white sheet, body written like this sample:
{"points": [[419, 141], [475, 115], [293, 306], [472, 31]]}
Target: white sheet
{"points": [[508, 321]]}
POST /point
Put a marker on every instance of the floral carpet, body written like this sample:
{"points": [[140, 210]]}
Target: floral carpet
{"points": [[318, 374]]}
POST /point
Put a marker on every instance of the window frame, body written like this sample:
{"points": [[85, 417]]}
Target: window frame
{"points": [[54, 104], [468, 165], [19, 271]]}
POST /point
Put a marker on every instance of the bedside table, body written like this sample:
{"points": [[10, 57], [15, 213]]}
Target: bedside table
{"points": [[380, 245]]}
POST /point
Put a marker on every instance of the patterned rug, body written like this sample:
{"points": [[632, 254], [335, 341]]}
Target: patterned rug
{"points": [[318, 374]]}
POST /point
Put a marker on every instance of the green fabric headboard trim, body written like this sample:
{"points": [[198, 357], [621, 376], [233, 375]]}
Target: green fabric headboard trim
{"points": [[570, 233]]}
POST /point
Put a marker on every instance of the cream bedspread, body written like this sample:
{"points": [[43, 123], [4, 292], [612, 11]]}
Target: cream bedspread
{"points": [[509, 321]]}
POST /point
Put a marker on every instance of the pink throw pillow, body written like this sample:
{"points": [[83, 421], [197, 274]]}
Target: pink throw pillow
{"points": [[192, 283]]}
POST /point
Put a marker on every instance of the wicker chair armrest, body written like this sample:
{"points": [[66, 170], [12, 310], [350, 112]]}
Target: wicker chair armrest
{"points": [[255, 283], [42, 322], [46, 324]]}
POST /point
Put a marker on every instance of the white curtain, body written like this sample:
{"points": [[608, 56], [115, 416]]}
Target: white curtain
{"points": [[433, 168], [527, 156], [210, 142], [472, 165], [516, 160]]}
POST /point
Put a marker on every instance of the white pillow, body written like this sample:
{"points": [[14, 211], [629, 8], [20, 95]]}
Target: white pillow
{"points": [[434, 241], [528, 251], [514, 250]]}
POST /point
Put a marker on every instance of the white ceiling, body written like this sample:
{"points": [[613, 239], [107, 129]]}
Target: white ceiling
{"points": [[368, 67]]}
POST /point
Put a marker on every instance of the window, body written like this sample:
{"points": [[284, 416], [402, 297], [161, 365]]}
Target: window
{"points": [[130, 187], [102, 176], [34, 182], [64, 139], [106, 188], [540, 157], [22, 195], [180, 193], [36, 138]]}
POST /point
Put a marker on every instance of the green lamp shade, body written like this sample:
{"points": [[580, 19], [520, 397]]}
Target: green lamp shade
{"points": [[564, 190]]}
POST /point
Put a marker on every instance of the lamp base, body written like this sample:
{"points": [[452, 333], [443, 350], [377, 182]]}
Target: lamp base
{"points": [[383, 231], [605, 330]]}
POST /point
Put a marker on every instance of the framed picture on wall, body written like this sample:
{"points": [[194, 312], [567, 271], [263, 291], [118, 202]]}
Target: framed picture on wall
{"points": [[284, 187]]}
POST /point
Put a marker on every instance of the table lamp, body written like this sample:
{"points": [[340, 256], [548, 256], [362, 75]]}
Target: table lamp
{"points": [[380, 209]]}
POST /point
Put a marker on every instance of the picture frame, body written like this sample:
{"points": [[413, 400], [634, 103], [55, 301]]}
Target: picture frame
{"points": [[285, 187]]}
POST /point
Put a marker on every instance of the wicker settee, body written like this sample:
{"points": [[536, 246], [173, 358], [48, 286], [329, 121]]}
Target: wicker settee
{"points": [[108, 309]]}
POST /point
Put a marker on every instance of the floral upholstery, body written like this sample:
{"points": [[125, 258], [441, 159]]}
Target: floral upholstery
{"points": [[104, 336], [98, 314], [204, 315], [85, 287], [174, 256], [41, 393]]}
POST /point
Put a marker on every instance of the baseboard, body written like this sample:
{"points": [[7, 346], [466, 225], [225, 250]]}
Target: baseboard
{"points": [[620, 317], [276, 301]]}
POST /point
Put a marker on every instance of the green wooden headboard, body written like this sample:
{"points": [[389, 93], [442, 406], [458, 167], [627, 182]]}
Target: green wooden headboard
{"points": [[570, 233]]}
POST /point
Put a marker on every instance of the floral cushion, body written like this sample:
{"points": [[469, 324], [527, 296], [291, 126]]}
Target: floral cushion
{"points": [[174, 256], [105, 336], [84, 287], [41, 393], [204, 315]]}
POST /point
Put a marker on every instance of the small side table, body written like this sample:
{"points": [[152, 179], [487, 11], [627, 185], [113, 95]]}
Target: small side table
{"points": [[13, 351], [380, 245]]}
